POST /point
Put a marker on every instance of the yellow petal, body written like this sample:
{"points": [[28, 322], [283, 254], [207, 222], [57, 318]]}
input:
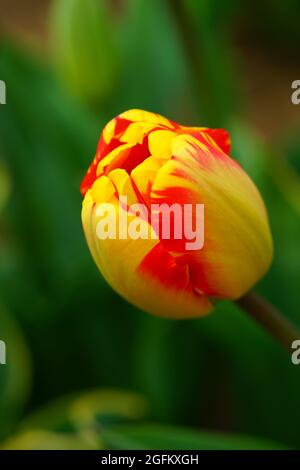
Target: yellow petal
{"points": [[135, 132], [144, 175], [119, 261], [114, 159], [123, 185], [102, 190], [135, 115], [160, 143], [108, 131]]}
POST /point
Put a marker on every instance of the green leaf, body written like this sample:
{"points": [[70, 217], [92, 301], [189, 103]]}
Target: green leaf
{"points": [[43, 440], [84, 48], [155, 437], [154, 73], [215, 77], [107, 403], [84, 409]]}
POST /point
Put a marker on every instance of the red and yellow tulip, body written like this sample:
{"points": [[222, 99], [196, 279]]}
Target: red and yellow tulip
{"points": [[149, 158]]}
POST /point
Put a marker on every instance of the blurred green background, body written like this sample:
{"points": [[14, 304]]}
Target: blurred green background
{"points": [[86, 370]]}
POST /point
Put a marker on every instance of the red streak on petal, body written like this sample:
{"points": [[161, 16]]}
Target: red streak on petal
{"points": [[103, 149], [197, 262], [88, 179], [179, 197], [161, 266], [136, 156], [121, 126], [221, 137]]}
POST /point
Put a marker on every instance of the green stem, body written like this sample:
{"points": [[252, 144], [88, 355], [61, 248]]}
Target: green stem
{"points": [[270, 319]]}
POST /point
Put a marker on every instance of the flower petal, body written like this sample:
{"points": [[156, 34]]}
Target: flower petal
{"points": [[130, 266], [135, 115], [237, 248]]}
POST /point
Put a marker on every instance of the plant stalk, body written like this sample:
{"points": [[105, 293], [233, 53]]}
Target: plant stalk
{"points": [[270, 319]]}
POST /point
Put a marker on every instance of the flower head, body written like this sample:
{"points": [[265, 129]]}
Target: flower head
{"points": [[146, 160]]}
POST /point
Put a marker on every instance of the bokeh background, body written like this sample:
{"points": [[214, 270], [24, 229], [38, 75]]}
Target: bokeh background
{"points": [[84, 368]]}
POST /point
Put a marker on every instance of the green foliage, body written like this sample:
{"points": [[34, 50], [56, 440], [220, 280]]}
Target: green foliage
{"points": [[82, 411], [216, 84], [77, 421], [221, 372], [84, 49], [45, 440], [152, 437]]}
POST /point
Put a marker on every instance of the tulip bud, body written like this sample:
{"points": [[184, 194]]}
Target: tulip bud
{"points": [[148, 168], [83, 47]]}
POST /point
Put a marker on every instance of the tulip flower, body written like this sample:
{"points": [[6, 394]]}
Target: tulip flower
{"points": [[145, 159]]}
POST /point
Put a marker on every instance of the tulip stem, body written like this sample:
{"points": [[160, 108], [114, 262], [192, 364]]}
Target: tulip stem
{"points": [[270, 319]]}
